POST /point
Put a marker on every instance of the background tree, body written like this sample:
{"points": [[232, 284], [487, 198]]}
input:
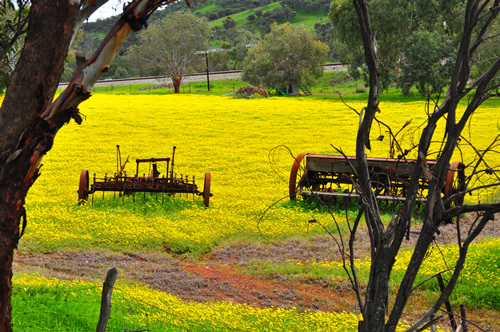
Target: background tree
{"points": [[327, 34], [169, 47], [277, 15], [30, 117], [427, 62], [234, 45], [13, 26], [385, 240], [396, 24], [219, 60], [237, 43], [228, 23], [285, 56]]}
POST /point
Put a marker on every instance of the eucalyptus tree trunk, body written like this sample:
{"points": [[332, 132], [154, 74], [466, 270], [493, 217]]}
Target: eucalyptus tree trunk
{"points": [[29, 120], [24, 136]]}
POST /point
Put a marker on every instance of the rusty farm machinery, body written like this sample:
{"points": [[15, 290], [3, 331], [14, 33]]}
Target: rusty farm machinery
{"points": [[120, 182], [332, 176]]}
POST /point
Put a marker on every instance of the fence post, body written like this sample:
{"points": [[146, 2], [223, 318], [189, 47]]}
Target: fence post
{"points": [[107, 291]]}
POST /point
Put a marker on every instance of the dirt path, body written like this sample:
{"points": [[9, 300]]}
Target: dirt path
{"points": [[220, 275]]}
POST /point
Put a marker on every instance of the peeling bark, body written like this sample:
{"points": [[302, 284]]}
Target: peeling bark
{"points": [[29, 120]]}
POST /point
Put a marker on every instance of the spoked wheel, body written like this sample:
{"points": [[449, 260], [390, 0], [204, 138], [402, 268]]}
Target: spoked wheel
{"points": [[83, 189], [455, 182], [206, 189], [296, 174]]}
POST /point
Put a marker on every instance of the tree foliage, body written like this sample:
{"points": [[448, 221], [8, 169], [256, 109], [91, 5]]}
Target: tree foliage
{"points": [[13, 26], [396, 24], [427, 62], [327, 34], [170, 47], [309, 5], [286, 55]]}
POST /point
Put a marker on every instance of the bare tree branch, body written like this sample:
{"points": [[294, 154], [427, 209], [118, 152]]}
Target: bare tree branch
{"points": [[456, 273]]}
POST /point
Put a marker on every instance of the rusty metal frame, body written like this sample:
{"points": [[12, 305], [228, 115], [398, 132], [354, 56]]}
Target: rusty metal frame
{"points": [[316, 174], [153, 183]]}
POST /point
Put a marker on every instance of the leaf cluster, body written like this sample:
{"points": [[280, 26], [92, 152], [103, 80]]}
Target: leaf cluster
{"points": [[13, 25], [170, 46], [415, 39], [286, 55]]}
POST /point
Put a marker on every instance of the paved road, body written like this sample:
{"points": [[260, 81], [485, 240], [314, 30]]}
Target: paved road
{"points": [[187, 79]]}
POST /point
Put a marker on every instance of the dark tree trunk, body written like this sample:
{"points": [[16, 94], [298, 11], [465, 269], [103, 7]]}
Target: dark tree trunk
{"points": [[23, 134], [29, 120], [176, 82], [386, 242]]}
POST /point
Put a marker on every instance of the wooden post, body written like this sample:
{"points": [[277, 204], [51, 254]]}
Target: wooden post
{"points": [[107, 290], [208, 71]]}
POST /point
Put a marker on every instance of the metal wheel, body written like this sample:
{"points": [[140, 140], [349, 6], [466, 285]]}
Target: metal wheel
{"points": [[206, 189], [296, 174], [83, 189], [455, 182]]}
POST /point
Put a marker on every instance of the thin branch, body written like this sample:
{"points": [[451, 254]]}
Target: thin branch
{"points": [[264, 214], [352, 237], [470, 190], [456, 211], [467, 320], [429, 278], [456, 273]]}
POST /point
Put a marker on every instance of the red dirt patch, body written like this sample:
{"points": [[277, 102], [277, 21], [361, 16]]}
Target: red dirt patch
{"points": [[236, 287]]}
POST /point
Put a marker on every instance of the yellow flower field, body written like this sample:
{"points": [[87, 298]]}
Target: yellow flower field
{"points": [[231, 138], [480, 268], [170, 311], [245, 144]]}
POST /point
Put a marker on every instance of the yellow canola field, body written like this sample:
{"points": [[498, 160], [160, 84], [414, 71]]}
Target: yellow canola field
{"points": [[231, 138]]}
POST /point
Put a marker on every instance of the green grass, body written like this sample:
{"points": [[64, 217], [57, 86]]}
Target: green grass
{"points": [[476, 288], [350, 90], [208, 8], [303, 19], [77, 308], [59, 308], [308, 20], [334, 277], [217, 87]]}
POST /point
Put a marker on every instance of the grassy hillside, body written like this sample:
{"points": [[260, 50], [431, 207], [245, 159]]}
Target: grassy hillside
{"points": [[304, 18]]}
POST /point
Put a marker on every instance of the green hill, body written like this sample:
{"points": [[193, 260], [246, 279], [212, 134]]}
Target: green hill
{"points": [[264, 12]]}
